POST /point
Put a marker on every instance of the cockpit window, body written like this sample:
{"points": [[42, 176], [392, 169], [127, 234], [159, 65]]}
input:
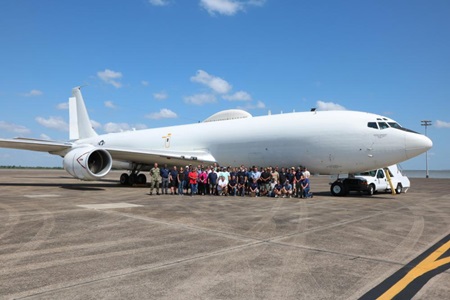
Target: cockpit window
{"points": [[372, 125], [395, 125], [398, 126], [383, 125]]}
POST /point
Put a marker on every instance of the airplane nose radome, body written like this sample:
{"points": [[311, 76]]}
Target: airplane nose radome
{"points": [[416, 144]]}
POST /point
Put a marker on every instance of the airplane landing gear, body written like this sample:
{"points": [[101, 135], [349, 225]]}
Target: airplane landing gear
{"points": [[134, 177]]}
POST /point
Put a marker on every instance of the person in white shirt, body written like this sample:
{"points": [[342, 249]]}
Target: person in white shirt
{"points": [[306, 173], [222, 186]]}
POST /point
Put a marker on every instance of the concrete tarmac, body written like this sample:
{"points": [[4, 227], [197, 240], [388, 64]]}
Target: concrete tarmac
{"points": [[61, 238]]}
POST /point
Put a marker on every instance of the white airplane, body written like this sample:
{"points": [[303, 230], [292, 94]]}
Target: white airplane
{"points": [[327, 142]]}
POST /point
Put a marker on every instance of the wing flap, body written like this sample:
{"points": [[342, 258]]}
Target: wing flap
{"points": [[34, 145]]}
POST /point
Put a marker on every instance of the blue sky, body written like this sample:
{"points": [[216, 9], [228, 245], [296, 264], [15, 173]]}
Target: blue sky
{"points": [[152, 63]]}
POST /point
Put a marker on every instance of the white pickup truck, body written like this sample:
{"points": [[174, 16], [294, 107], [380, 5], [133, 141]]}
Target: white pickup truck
{"points": [[371, 182]]}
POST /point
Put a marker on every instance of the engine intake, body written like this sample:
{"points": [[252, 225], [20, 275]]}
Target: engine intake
{"points": [[88, 163]]}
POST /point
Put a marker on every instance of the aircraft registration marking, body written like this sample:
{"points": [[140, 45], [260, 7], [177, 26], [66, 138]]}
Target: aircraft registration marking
{"points": [[407, 281]]}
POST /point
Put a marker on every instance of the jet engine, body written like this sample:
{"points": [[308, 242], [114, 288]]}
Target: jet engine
{"points": [[88, 163]]}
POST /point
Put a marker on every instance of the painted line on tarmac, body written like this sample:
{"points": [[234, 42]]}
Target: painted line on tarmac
{"points": [[110, 205], [407, 281]]}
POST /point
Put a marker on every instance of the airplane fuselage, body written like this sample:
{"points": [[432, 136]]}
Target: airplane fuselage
{"points": [[327, 142]]}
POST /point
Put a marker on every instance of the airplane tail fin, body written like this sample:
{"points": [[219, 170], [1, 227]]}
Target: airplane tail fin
{"points": [[80, 124]]}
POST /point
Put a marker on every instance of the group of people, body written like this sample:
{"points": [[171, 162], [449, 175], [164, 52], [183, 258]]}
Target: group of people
{"points": [[215, 180]]}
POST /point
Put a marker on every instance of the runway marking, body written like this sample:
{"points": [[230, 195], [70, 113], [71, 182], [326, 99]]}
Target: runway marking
{"points": [[407, 281], [109, 205], [42, 196]]}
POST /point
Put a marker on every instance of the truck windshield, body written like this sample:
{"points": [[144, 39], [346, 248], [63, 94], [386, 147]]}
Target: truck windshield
{"points": [[368, 173]]}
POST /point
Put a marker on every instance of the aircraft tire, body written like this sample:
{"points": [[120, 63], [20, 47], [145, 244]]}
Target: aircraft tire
{"points": [[132, 179], [124, 179], [142, 179]]}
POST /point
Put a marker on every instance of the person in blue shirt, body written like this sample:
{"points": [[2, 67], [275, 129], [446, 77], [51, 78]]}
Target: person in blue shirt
{"points": [[232, 186], [276, 192], [287, 189], [306, 186], [173, 180], [187, 186], [253, 188], [212, 181], [164, 172], [242, 180], [298, 183]]}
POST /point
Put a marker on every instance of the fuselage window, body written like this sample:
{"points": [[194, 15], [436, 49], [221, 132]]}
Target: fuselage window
{"points": [[372, 125], [383, 125]]}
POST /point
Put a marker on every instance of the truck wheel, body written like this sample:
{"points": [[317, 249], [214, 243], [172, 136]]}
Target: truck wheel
{"points": [[337, 189], [371, 190], [399, 189]]}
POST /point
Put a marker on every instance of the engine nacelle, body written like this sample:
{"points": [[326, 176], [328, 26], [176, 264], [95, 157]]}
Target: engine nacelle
{"points": [[88, 163]]}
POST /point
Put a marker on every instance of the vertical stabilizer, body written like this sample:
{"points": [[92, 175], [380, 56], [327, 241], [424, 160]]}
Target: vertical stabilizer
{"points": [[80, 124]]}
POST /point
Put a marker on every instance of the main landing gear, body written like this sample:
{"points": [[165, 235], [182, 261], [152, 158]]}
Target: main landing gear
{"points": [[135, 177]]}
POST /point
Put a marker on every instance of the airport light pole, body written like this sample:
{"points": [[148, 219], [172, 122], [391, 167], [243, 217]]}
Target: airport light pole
{"points": [[426, 123]]}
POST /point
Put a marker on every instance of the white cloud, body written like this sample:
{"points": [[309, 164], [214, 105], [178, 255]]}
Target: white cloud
{"points": [[63, 106], [110, 77], [217, 84], [162, 114], [223, 7], [95, 124], [53, 123], [200, 99], [320, 105], [160, 96], [109, 104], [10, 127], [33, 93], [145, 83], [258, 105], [140, 126], [238, 96], [158, 2], [43, 136], [442, 124], [118, 127], [228, 7]]}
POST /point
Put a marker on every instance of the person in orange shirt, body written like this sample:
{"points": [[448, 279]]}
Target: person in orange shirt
{"points": [[193, 181]]}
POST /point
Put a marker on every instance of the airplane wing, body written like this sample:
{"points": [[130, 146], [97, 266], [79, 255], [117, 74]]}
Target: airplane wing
{"points": [[127, 155], [34, 145], [160, 156]]}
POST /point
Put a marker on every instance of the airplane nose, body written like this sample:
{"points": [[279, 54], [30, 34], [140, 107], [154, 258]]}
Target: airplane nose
{"points": [[416, 144]]}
